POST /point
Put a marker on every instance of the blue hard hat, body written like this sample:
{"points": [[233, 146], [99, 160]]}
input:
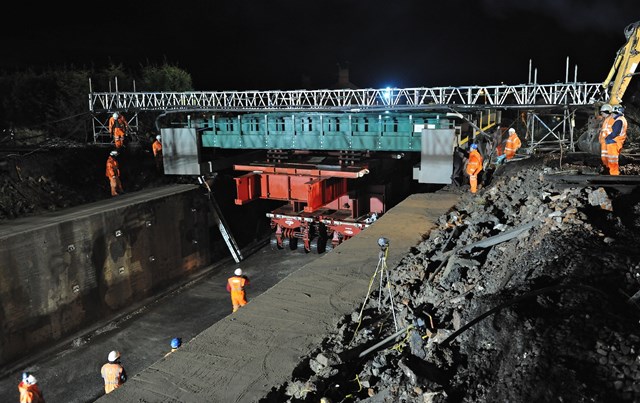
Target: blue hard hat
{"points": [[474, 146], [176, 342]]}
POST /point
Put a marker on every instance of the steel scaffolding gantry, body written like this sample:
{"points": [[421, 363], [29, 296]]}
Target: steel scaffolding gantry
{"points": [[572, 94], [561, 99]]}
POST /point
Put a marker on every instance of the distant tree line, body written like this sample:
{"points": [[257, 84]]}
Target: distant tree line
{"points": [[54, 102]]}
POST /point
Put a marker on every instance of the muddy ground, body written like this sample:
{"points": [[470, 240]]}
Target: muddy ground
{"points": [[543, 310]]}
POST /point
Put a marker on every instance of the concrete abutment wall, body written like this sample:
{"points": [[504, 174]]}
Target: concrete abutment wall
{"points": [[65, 271]]}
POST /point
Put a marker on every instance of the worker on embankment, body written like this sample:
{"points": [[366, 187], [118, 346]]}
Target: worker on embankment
{"points": [[113, 372], [29, 390], [156, 147], [235, 285], [113, 173], [118, 127], [615, 140], [513, 144], [606, 111], [474, 167]]}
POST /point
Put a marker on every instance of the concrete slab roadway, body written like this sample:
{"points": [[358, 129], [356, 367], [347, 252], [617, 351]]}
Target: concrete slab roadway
{"points": [[244, 355]]}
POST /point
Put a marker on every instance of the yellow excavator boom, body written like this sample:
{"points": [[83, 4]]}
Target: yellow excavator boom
{"points": [[623, 69], [624, 65]]}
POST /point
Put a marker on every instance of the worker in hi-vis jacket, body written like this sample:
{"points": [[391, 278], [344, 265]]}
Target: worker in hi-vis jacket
{"points": [[474, 167], [235, 285]]}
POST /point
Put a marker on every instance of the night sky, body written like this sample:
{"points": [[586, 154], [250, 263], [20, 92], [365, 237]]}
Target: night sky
{"points": [[291, 44]]}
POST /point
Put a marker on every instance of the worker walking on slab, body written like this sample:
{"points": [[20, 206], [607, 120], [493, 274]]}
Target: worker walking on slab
{"points": [[113, 372], [29, 390], [235, 285], [513, 144], [474, 167], [176, 342], [615, 140], [113, 173], [118, 127], [606, 111], [156, 147]]}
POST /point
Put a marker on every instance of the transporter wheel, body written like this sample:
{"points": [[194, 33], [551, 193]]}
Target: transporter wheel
{"points": [[318, 245], [292, 242]]}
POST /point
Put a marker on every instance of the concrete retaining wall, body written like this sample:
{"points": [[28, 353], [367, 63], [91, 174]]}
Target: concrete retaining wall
{"points": [[65, 271]]}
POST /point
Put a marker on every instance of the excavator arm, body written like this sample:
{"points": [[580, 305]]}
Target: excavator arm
{"points": [[617, 81], [624, 65]]}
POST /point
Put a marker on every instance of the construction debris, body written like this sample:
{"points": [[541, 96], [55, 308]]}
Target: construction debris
{"points": [[530, 302]]}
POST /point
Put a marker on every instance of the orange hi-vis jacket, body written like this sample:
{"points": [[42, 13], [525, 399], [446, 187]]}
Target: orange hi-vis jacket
{"points": [[615, 140], [113, 169], [618, 131], [117, 127], [474, 165], [30, 393], [157, 148], [605, 130], [113, 375], [235, 285], [513, 144]]}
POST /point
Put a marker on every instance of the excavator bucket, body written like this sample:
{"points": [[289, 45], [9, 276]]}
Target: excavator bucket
{"points": [[588, 140]]}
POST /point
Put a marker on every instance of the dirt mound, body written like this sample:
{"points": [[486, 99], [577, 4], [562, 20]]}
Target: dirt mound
{"points": [[523, 293], [57, 175]]}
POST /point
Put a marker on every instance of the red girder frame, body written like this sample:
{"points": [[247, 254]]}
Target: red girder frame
{"points": [[312, 187], [309, 188]]}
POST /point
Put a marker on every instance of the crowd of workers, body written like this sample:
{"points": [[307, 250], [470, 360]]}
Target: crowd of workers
{"points": [[612, 136], [473, 161], [118, 129], [113, 372]]}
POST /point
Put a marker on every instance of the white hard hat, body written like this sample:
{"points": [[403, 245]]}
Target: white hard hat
{"points": [[238, 272], [512, 130], [114, 355], [115, 115], [113, 153], [158, 137], [31, 380], [606, 108]]}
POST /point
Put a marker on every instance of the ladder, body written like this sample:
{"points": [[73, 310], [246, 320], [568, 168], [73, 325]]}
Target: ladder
{"points": [[221, 222]]}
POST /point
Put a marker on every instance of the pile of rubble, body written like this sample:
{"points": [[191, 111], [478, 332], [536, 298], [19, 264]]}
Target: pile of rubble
{"points": [[528, 290], [58, 174]]}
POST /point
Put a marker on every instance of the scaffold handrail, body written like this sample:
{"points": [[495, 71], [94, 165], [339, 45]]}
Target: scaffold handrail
{"points": [[572, 94]]}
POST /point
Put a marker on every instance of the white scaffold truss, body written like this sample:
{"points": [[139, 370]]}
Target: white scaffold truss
{"points": [[498, 96]]}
